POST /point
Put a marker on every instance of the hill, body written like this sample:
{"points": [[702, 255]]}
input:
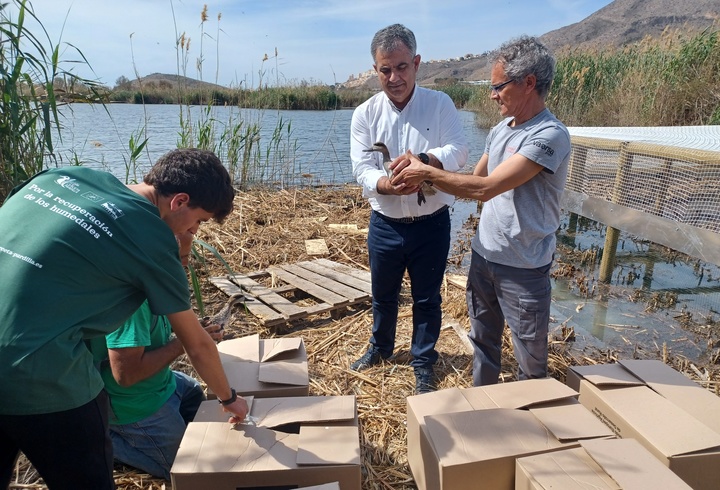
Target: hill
{"points": [[165, 81], [620, 23]]}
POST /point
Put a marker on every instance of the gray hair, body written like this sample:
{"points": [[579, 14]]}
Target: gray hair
{"points": [[527, 56], [391, 37]]}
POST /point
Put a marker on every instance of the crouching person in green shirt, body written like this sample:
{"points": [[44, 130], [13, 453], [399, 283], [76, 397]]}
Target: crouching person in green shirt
{"points": [[150, 404]]}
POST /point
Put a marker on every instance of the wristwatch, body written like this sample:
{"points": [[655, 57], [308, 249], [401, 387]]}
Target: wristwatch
{"points": [[424, 158], [231, 400]]}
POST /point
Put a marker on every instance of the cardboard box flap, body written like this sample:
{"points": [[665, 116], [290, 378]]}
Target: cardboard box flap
{"points": [[679, 389], [571, 468], [607, 375], [571, 422], [241, 349], [465, 437], [273, 348], [631, 465], [649, 414], [212, 411], [522, 395], [287, 372], [211, 447], [444, 401], [274, 412], [328, 445]]}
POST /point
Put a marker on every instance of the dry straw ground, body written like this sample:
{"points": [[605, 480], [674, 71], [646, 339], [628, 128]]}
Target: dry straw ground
{"points": [[270, 227]]}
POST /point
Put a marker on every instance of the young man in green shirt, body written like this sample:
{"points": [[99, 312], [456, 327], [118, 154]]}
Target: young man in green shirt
{"points": [[150, 404], [79, 253]]}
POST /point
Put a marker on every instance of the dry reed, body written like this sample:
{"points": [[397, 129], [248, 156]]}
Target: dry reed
{"points": [[270, 227]]}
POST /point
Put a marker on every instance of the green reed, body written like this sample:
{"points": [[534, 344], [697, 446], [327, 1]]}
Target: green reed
{"points": [[668, 81], [29, 66]]}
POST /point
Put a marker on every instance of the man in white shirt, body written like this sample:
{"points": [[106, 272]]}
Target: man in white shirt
{"points": [[408, 231]]}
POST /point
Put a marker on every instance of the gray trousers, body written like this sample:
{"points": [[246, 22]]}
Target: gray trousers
{"points": [[498, 293]]}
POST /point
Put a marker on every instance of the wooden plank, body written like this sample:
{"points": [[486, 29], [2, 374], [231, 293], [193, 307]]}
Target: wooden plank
{"points": [[336, 275], [287, 274], [457, 280], [266, 314], [462, 334], [287, 308], [348, 293], [357, 273]]}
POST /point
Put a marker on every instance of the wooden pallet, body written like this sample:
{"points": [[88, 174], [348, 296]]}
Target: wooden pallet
{"points": [[332, 285]]}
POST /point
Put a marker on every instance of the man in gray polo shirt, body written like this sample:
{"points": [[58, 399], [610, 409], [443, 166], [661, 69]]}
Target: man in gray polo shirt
{"points": [[520, 178]]}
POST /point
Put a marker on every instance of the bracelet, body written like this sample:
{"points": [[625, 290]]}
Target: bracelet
{"points": [[229, 401]]}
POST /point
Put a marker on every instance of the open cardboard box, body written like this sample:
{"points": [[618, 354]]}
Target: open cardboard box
{"points": [[610, 464], [669, 414], [287, 442], [265, 367], [457, 438]]}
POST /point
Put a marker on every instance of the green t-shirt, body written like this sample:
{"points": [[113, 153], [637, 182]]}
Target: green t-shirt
{"points": [[134, 403], [79, 253]]}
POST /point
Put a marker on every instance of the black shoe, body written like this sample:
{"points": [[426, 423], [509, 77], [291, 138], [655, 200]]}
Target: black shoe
{"points": [[424, 380], [369, 359]]}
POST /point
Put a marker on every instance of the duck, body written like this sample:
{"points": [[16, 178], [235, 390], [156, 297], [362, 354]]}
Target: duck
{"points": [[425, 187], [222, 317]]}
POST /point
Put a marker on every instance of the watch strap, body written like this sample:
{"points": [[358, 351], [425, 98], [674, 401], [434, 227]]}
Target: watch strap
{"points": [[231, 400]]}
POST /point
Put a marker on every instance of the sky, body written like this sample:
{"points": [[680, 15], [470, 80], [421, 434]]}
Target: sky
{"points": [[313, 41]]}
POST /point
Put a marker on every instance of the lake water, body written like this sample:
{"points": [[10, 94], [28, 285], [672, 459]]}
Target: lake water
{"points": [[98, 136], [619, 318]]}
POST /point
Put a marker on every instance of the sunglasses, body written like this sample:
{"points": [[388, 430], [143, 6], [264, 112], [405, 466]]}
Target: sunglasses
{"points": [[497, 88]]}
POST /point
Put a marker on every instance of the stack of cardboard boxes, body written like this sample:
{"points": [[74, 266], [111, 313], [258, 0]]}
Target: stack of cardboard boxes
{"points": [[289, 439], [541, 434], [630, 425]]}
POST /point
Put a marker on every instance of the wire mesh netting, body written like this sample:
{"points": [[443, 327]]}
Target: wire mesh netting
{"points": [[680, 184]]}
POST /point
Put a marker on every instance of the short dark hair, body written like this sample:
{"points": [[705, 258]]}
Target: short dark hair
{"points": [[198, 173], [391, 37]]}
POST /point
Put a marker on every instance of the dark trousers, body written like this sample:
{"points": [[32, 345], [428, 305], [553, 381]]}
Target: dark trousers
{"points": [[71, 450], [421, 248], [497, 293]]}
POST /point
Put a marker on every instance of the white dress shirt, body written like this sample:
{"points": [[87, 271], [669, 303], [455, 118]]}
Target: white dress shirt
{"points": [[429, 123]]}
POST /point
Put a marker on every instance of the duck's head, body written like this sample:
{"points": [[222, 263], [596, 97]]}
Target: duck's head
{"points": [[381, 148]]}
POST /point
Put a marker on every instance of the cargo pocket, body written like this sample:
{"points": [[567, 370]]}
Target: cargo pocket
{"points": [[534, 317]]}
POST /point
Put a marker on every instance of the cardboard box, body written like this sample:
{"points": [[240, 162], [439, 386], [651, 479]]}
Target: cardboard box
{"points": [[667, 413], [326, 486], [265, 368], [612, 464], [459, 437], [290, 441]]}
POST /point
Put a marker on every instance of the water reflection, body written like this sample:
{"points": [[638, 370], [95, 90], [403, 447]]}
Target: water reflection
{"points": [[98, 136]]}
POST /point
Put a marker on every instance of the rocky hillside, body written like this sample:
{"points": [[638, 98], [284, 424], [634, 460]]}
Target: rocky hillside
{"points": [[620, 23]]}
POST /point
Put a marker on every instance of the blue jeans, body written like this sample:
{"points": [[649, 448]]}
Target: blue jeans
{"points": [[497, 293], [421, 248], [152, 443]]}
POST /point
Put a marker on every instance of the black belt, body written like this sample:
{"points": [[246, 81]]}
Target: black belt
{"points": [[413, 219]]}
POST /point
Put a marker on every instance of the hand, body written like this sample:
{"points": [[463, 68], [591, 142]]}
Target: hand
{"points": [[386, 188], [409, 171], [239, 410], [216, 331]]}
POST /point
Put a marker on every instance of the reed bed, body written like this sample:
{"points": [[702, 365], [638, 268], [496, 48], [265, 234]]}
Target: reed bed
{"points": [[665, 81], [270, 227]]}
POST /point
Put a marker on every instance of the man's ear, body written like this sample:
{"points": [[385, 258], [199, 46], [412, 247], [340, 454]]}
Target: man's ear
{"points": [[179, 200], [530, 82]]}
